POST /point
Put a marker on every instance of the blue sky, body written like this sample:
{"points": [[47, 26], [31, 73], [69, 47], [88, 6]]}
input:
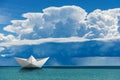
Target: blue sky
{"points": [[70, 32]]}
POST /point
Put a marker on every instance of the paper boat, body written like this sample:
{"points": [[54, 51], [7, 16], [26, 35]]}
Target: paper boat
{"points": [[31, 62]]}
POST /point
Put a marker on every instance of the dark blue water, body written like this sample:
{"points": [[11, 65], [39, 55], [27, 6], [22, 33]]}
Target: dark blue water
{"points": [[16, 73]]}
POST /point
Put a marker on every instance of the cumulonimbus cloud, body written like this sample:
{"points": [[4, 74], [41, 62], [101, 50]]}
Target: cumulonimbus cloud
{"points": [[66, 21], [53, 22]]}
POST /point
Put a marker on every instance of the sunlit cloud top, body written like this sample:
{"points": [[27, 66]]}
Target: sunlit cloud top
{"points": [[67, 21]]}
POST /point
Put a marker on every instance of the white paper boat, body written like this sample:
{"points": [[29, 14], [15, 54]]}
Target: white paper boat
{"points": [[31, 62]]}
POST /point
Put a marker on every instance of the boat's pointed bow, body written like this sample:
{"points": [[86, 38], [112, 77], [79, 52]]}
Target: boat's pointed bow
{"points": [[47, 58], [41, 62]]}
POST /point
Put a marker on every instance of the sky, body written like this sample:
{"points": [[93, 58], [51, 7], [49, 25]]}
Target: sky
{"points": [[76, 32]]}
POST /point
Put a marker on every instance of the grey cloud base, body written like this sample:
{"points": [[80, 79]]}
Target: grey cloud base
{"points": [[62, 54]]}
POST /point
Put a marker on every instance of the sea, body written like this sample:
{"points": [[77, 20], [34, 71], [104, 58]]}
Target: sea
{"points": [[59, 73]]}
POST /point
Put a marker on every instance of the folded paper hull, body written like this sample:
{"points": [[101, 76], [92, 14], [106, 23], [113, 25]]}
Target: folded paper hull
{"points": [[31, 62]]}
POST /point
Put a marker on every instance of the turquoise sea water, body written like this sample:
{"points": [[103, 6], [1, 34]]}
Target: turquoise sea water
{"points": [[16, 73]]}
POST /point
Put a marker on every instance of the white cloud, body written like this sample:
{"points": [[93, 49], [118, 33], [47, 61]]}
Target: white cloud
{"points": [[40, 41], [103, 23], [68, 21], [17, 42], [56, 14], [7, 38], [53, 22]]}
